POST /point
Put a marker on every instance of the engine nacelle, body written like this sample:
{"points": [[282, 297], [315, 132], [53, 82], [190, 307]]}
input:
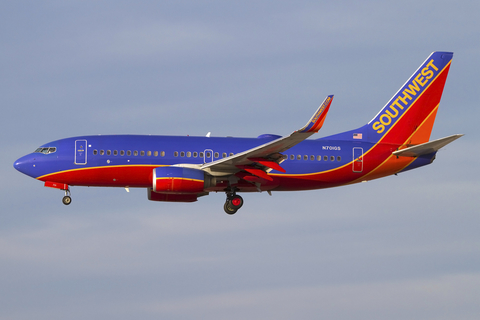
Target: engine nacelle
{"points": [[178, 180]]}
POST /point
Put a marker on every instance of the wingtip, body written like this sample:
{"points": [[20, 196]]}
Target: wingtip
{"points": [[316, 122]]}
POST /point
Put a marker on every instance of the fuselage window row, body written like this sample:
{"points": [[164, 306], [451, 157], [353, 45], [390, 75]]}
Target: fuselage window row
{"points": [[312, 157], [190, 154], [187, 154], [195, 154], [128, 153]]}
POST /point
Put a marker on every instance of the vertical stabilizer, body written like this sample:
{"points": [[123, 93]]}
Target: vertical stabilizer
{"points": [[409, 115]]}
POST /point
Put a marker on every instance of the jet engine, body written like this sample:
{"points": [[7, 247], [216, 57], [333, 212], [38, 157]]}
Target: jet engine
{"points": [[178, 184]]}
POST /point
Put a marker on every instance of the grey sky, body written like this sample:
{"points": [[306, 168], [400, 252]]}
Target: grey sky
{"points": [[404, 247]]}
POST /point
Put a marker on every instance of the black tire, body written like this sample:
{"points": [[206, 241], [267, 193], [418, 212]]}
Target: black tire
{"points": [[66, 200], [228, 209]]}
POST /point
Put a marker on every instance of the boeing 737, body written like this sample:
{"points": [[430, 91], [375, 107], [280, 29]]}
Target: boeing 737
{"points": [[184, 168]]}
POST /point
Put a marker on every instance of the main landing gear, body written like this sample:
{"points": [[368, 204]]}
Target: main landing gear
{"points": [[233, 203], [67, 199]]}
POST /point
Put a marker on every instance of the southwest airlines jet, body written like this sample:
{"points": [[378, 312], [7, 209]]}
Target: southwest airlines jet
{"points": [[184, 168]]}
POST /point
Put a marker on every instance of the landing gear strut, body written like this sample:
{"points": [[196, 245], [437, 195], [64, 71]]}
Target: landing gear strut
{"points": [[233, 203], [67, 199]]}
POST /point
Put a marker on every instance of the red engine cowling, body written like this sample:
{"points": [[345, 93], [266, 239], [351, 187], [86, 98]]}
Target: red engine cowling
{"points": [[178, 184], [178, 180]]}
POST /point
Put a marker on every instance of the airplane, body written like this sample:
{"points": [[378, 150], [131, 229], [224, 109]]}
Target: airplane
{"points": [[184, 168]]}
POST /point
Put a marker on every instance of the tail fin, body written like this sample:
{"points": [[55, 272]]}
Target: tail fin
{"points": [[409, 116]]}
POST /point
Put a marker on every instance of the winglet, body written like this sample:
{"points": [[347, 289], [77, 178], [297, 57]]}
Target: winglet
{"points": [[316, 122]]}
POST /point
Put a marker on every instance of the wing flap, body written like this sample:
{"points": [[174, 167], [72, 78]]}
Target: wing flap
{"points": [[268, 163], [256, 172]]}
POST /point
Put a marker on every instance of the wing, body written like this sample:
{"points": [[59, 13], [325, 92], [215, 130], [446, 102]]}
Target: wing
{"points": [[259, 160]]}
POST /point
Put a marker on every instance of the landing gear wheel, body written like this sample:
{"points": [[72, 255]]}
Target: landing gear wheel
{"points": [[233, 203], [228, 209], [236, 202], [67, 200]]}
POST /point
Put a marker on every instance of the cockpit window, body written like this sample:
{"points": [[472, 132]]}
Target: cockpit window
{"points": [[46, 150]]}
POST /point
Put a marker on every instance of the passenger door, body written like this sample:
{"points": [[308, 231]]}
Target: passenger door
{"points": [[80, 152], [357, 159]]}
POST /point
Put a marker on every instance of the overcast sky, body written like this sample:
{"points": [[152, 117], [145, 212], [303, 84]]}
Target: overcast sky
{"points": [[402, 247]]}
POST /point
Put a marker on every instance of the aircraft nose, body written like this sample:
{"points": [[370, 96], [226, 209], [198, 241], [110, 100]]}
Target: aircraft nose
{"points": [[25, 165]]}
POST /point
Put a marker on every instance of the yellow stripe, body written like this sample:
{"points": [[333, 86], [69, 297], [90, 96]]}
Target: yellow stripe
{"points": [[102, 167], [187, 179]]}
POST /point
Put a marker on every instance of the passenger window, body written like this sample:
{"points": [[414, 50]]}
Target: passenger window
{"points": [[231, 154], [201, 154], [299, 157], [305, 157], [189, 154], [312, 158], [162, 153], [155, 154], [216, 154], [102, 152], [339, 158], [224, 155], [292, 157], [182, 154], [95, 152], [332, 158], [129, 153], [149, 153], [109, 152], [115, 152], [319, 158], [135, 153], [175, 154], [325, 158], [195, 154], [122, 152]]}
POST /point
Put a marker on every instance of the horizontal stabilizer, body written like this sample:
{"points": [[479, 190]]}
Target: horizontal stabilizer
{"points": [[426, 148]]}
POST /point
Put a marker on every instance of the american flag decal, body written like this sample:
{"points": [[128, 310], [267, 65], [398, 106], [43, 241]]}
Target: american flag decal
{"points": [[357, 136]]}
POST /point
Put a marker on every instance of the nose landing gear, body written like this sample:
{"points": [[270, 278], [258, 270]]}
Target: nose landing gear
{"points": [[62, 186], [67, 199], [233, 203]]}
